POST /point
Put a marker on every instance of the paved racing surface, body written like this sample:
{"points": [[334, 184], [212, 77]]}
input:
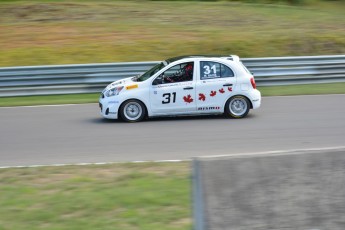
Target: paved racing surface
{"points": [[77, 133]]}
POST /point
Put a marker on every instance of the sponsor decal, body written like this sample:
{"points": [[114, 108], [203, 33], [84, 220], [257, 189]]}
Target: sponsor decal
{"points": [[132, 87], [230, 89], [209, 108], [202, 97], [113, 102], [221, 90], [155, 92], [186, 83], [164, 85], [213, 93], [188, 98], [210, 76], [174, 84]]}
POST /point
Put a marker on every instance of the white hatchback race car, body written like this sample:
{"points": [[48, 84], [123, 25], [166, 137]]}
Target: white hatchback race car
{"points": [[188, 85]]}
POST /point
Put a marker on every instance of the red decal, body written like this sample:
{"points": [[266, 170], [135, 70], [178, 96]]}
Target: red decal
{"points": [[213, 93], [221, 90], [202, 97], [230, 89], [188, 98]]}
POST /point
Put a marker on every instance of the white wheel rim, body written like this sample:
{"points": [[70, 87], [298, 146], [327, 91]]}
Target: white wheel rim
{"points": [[132, 111], [238, 106]]}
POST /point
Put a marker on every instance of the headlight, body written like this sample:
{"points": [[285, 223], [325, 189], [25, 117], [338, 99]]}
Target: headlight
{"points": [[114, 91]]}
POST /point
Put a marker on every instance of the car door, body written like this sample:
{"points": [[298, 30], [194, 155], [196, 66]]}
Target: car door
{"points": [[173, 91], [214, 86]]}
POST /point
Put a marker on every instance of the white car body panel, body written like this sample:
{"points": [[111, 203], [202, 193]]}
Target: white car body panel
{"points": [[160, 96], [199, 96]]}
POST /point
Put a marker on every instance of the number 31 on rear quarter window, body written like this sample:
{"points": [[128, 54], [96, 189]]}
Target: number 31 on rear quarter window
{"points": [[208, 70]]}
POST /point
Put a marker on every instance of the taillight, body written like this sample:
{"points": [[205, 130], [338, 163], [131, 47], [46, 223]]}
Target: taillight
{"points": [[253, 83]]}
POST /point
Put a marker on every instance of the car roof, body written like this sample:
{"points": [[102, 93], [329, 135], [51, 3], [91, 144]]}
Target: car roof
{"points": [[230, 57]]}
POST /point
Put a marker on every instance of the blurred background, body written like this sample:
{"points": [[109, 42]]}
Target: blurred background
{"points": [[45, 32]]}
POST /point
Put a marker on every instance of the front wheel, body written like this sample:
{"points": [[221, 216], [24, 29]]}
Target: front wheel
{"points": [[237, 107], [132, 111]]}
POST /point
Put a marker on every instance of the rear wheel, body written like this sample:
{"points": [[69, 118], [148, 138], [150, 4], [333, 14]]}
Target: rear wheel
{"points": [[237, 107], [132, 111]]}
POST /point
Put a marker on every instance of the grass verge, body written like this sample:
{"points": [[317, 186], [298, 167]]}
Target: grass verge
{"points": [[49, 99], [143, 196], [45, 32], [332, 88], [312, 89]]}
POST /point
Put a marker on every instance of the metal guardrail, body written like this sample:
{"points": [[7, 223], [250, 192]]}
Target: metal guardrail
{"points": [[88, 78]]}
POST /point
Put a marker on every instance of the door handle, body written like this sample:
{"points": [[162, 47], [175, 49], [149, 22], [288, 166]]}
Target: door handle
{"points": [[187, 88], [228, 84]]}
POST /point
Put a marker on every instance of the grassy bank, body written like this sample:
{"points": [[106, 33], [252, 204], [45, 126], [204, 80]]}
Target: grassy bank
{"points": [[63, 32], [334, 88], [117, 196], [50, 99], [314, 89]]}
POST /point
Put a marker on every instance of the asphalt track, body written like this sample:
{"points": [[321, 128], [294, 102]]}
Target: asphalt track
{"points": [[72, 134]]}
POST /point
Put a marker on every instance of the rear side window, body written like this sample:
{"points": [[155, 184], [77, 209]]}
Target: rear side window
{"points": [[212, 70]]}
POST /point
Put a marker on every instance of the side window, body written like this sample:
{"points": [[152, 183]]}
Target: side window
{"points": [[212, 70], [178, 73]]}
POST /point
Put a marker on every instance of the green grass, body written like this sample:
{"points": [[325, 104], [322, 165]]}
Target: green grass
{"points": [[63, 32], [49, 99], [313, 89], [117, 196], [333, 88]]}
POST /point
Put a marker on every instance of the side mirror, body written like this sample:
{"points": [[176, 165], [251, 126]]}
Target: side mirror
{"points": [[158, 80]]}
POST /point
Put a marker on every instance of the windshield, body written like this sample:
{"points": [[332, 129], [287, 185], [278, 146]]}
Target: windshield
{"points": [[150, 73]]}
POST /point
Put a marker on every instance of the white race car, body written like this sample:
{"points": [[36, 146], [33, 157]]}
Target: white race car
{"points": [[189, 85]]}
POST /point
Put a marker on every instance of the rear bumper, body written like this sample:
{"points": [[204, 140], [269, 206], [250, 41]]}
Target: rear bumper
{"points": [[256, 99]]}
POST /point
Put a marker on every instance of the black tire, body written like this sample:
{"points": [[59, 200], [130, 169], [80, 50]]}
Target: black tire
{"points": [[132, 111], [237, 107]]}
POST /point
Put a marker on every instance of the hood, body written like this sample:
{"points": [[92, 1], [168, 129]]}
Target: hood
{"points": [[121, 82]]}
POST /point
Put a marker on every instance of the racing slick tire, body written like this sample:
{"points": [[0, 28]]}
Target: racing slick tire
{"points": [[132, 111], [237, 107]]}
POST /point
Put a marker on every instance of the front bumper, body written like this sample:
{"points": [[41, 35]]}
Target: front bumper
{"points": [[109, 107]]}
